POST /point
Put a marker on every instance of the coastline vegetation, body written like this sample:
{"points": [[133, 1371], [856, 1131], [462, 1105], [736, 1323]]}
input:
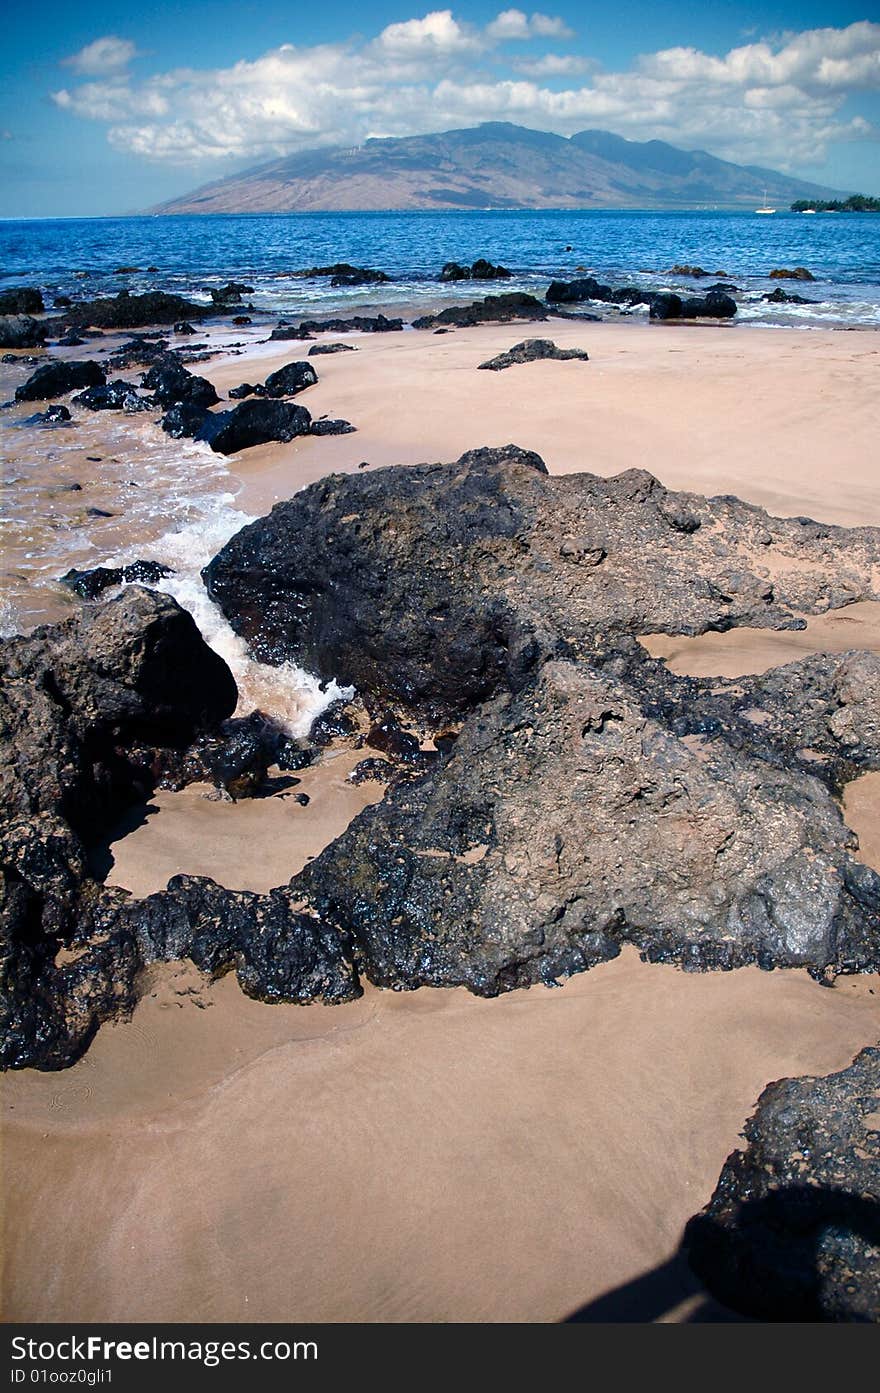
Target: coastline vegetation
{"points": [[856, 203]]}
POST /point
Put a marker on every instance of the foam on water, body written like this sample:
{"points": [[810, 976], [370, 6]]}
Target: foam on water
{"points": [[286, 693]]}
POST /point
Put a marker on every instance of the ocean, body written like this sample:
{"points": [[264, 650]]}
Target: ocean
{"points": [[79, 257], [111, 487]]}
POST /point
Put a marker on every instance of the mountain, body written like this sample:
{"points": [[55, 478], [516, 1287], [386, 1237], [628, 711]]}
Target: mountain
{"points": [[495, 165]]}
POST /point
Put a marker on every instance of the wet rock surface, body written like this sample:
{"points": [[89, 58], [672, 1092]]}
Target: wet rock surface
{"points": [[94, 714], [432, 586], [529, 351], [494, 309], [21, 331], [25, 299], [55, 379], [127, 311], [254, 422], [358, 323], [792, 1232], [480, 270], [553, 792]]}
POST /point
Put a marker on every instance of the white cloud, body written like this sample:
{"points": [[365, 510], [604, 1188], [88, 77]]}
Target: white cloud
{"points": [[437, 33], [555, 65], [106, 55], [776, 103], [515, 24]]}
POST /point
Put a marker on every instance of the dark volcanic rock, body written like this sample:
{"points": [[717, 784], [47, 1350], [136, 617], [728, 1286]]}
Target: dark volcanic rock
{"points": [[21, 331], [75, 694], [184, 328], [292, 378], [344, 274], [358, 323], [230, 294], [55, 379], [52, 416], [433, 585], [495, 309], [713, 305], [114, 396], [800, 273], [569, 819], [254, 422], [89, 584], [170, 382], [94, 711], [529, 351], [785, 297], [573, 292], [481, 270], [183, 421], [331, 427], [246, 389], [792, 1232], [26, 299], [125, 311], [320, 348]]}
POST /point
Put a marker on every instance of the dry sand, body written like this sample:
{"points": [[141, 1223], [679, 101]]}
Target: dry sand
{"points": [[432, 1156]]}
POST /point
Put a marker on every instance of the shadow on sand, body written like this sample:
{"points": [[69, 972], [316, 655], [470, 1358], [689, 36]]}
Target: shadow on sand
{"points": [[796, 1254]]}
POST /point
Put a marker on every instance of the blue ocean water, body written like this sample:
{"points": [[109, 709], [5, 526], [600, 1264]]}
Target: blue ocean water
{"points": [[193, 253]]}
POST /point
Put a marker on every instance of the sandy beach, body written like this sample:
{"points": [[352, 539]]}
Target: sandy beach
{"points": [[432, 1156]]}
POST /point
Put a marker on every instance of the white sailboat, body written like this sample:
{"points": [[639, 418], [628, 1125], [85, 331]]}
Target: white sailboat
{"points": [[764, 208]]}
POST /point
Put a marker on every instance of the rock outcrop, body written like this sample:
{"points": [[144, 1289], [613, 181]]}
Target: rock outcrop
{"points": [[25, 299], [554, 792], [127, 311], [357, 324], [254, 422], [792, 1232], [481, 270], [56, 379], [21, 331], [434, 586], [494, 309]]}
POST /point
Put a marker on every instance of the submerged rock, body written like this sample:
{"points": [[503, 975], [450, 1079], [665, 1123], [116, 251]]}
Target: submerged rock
{"points": [[785, 297], [57, 378], [792, 1232], [495, 309], [114, 396], [90, 584], [254, 422], [529, 351], [52, 416], [183, 421], [800, 273], [344, 274]]}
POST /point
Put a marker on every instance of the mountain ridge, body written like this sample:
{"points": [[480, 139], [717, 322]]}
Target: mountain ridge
{"points": [[496, 165]]}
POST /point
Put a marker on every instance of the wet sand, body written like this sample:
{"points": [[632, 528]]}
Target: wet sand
{"points": [[431, 1156], [413, 1158]]}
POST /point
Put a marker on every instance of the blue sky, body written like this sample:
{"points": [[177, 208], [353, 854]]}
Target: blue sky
{"points": [[108, 108]]}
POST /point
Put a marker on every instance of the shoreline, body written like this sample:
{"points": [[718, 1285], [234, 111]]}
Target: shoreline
{"points": [[433, 1155]]}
